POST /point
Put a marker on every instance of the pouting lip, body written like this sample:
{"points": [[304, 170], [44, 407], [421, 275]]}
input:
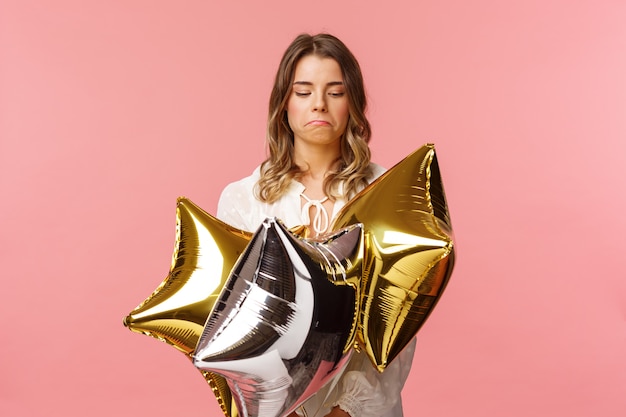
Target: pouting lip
{"points": [[318, 122]]}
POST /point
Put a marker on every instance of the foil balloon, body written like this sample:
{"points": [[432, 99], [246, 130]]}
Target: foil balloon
{"points": [[398, 269], [205, 251], [409, 252], [284, 324]]}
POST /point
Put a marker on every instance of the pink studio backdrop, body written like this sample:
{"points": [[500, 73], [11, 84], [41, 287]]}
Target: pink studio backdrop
{"points": [[111, 110]]}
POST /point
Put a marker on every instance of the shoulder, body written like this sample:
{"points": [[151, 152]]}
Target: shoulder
{"points": [[243, 186], [237, 201], [239, 193], [375, 172]]}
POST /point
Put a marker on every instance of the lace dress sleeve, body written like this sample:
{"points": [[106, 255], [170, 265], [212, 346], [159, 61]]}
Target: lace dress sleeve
{"points": [[365, 392], [362, 391], [232, 206]]}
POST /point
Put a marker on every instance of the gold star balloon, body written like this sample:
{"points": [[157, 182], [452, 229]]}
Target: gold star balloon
{"points": [[409, 252], [407, 258], [206, 250]]}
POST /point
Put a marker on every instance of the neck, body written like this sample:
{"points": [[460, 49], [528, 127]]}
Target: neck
{"points": [[316, 161]]}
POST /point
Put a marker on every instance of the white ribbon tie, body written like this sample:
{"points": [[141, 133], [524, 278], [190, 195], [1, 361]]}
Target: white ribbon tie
{"points": [[320, 219]]}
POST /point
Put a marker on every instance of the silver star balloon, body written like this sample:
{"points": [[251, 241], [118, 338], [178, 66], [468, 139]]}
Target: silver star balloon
{"points": [[285, 321]]}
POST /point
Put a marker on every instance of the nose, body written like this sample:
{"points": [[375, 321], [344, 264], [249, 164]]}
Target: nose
{"points": [[319, 103]]}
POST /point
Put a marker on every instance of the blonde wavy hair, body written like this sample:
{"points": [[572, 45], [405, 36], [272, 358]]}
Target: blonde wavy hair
{"points": [[279, 168]]}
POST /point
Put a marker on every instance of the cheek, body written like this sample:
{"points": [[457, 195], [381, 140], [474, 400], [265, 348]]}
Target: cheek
{"points": [[293, 112], [343, 113]]}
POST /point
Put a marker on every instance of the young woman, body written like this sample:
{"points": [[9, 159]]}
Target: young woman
{"points": [[318, 159]]}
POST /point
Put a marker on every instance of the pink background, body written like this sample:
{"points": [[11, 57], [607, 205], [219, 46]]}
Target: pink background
{"points": [[109, 110]]}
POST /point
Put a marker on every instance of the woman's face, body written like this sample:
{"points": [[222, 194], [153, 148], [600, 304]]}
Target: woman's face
{"points": [[317, 108]]}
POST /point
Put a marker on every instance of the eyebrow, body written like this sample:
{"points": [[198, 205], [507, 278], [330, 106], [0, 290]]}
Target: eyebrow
{"points": [[310, 83]]}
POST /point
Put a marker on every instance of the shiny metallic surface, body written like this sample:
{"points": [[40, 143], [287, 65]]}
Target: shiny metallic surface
{"points": [[291, 308], [409, 252], [284, 323], [175, 313]]}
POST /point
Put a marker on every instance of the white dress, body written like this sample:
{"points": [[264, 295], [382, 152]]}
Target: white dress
{"points": [[361, 390]]}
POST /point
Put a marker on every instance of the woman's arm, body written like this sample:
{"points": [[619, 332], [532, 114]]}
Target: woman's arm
{"points": [[337, 412], [365, 392]]}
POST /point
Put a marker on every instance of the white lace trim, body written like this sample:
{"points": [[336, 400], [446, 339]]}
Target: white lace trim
{"points": [[350, 405]]}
